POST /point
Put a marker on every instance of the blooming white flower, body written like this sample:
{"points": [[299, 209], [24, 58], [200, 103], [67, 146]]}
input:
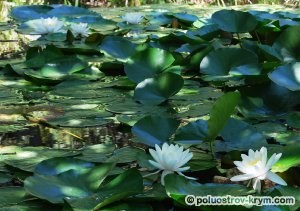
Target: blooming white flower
{"points": [[170, 159], [133, 17], [257, 167], [47, 25], [81, 29]]}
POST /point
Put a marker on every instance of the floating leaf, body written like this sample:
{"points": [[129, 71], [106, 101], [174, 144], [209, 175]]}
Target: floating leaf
{"points": [[72, 183], [287, 76], [59, 165], [118, 47], [192, 133], [238, 135], [178, 187], [126, 184], [222, 63], [234, 21], [288, 44], [153, 130], [153, 91], [147, 64]]}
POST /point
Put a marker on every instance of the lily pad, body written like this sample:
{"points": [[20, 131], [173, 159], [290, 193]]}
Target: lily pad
{"points": [[153, 130], [147, 64], [222, 63], [234, 21], [126, 184], [287, 76], [71, 184], [153, 91]]}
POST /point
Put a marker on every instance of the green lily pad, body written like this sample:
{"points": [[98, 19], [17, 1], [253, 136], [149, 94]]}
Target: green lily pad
{"points": [[126, 184], [290, 157], [27, 158], [222, 64], [234, 21], [192, 133], [178, 187], [118, 47], [97, 153], [125, 155], [59, 165], [287, 76], [238, 135], [288, 44], [12, 195], [153, 130], [147, 64], [69, 184], [154, 91]]}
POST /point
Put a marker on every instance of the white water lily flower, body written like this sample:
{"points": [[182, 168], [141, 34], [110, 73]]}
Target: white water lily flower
{"points": [[133, 17], [47, 25], [170, 159], [257, 167], [80, 29]]}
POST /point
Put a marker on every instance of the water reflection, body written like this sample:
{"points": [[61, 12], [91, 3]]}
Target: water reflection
{"points": [[42, 136]]}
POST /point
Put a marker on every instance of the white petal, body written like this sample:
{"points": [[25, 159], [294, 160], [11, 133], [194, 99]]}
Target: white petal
{"points": [[155, 164], [183, 168], [251, 153], [154, 154], [192, 178], [256, 185], [275, 178], [273, 159], [164, 173], [185, 159], [238, 163], [245, 157], [264, 154], [241, 177]]}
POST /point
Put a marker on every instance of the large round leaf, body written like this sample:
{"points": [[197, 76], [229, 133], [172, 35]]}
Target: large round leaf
{"points": [[229, 62], [239, 135], [147, 64], [288, 44], [58, 165], [24, 13], [192, 133], [287, 76], [72, 183], [153, 130], [234, 21], [118, 47], [124, 185], [153, 91]]}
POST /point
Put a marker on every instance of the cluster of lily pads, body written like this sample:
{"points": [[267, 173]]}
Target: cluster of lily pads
{"points": [[201, 91]]}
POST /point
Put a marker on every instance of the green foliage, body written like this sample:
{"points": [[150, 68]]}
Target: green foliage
{"points": [[145, 78]]}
